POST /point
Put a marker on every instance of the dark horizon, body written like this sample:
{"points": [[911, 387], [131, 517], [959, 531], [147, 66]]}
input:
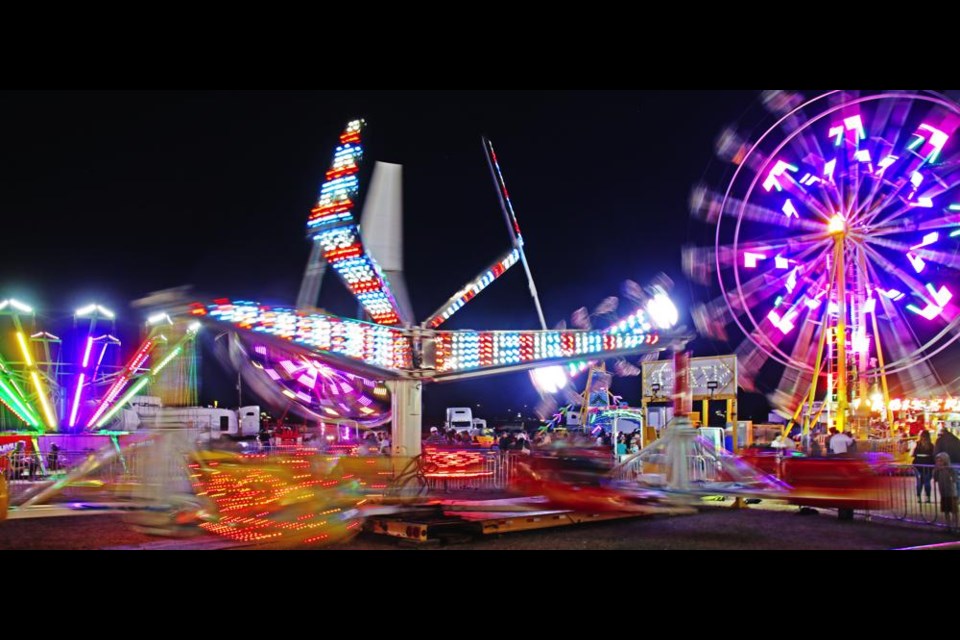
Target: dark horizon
{"points": [[111, 195]]}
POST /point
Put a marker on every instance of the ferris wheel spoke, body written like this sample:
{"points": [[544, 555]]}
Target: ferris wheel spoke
{"points": [[790, 284], [750, 358], [888, 267], [948, 220], [701, 262], [951, 260], [709, 206], [711, 318], [791, 390], [773, 327], [917, 192], [801, 354], [902, 333], [905, 351], [887, 215]]}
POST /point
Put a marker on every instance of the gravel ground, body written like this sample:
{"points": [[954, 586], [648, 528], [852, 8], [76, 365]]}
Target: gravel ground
{"points": [[713, 528]]}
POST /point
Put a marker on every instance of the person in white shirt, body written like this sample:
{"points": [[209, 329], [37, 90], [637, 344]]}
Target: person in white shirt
{"points": [[840, 443]]}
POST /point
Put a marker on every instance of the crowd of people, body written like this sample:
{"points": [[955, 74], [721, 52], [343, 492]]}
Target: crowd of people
{"points": [[17, 463], [933, 462]]}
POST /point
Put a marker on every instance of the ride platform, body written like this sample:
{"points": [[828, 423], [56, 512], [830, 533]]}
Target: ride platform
{"points": [[447, 521]]}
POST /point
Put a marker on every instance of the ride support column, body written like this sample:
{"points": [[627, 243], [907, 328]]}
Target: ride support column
{"points": [[682, 396], [407, 411]]}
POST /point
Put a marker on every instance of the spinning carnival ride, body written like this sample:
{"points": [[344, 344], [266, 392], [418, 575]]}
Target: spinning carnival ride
{"points": [[77, 383], [597, 406], [834, 246], [333, 368]]}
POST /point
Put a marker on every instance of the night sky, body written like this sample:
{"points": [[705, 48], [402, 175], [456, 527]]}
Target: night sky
{"points": [[107, 196]]}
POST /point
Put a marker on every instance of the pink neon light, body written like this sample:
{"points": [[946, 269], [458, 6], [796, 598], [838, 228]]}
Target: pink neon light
{"points": [[929, 312], [308, 381], [142, 353], [886, 162], [836, 132], [102, 353], [928, 239], [923, 203], [854, 123], [792, 282], [784, 324], [86, 357], [778, 170], [780, 262], [750, 259], [870, 305], [916, 261], [860, 342], [893, 294], [862, 156], [789, 209], [942, 296], [828, 169], [76, 396], [937, 139]]}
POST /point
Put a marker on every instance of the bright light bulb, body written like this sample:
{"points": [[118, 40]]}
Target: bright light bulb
{"points": [[662, 310], [549, 379], [837, 224]]}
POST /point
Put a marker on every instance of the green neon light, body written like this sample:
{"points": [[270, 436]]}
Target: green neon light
{"points": [[166, 360], [954, 207], [13, 383], [9, 405], [146, 378], [31, 418], [116, 446], [954, 234], [124, 400], [916, 143], [36, 452]]}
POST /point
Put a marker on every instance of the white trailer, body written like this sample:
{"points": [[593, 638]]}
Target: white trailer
{"points": [[146, 412], [459, 418]]}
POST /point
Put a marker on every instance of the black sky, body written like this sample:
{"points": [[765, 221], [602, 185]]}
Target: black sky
{"points": [[109, 195]]}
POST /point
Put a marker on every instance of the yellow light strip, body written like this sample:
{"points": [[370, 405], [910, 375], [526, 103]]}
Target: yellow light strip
{"points": [[47, 409], [23, 347]]}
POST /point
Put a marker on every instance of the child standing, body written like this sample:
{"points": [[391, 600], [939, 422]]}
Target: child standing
{"points": [[946, 477]]}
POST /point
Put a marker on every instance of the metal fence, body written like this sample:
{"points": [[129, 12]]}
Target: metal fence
{"points": [[103, 474], [494, 470], [913, 495], [100, 475], [108, 474]]}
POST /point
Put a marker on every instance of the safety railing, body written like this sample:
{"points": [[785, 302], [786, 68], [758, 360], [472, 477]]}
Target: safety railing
{"points": [[912, 494], [25, 473], [149, 464]]}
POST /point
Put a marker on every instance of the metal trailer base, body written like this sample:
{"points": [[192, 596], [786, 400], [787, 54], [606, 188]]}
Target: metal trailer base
{"points": [[441, 526]]}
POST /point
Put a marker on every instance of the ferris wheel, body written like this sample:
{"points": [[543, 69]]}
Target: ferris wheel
{"points": [[834, 245]]}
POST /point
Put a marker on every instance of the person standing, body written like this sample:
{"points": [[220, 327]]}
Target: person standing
{"points": [[815, 450], [923, 464], [840, 443], [947, 443], [946, 477]]}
